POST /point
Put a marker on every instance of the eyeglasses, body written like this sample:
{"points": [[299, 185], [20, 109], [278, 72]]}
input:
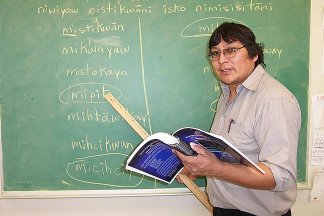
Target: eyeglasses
{"points": [[228, 53]]}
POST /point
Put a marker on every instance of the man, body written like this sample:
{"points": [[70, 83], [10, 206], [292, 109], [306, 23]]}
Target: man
{"points": [[261, 118]]}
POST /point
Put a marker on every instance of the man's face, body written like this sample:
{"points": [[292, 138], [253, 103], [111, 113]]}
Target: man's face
{"points": [[233, 71]]}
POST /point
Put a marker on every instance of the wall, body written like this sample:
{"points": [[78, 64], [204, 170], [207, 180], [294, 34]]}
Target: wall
{"points": [[181, 204]]}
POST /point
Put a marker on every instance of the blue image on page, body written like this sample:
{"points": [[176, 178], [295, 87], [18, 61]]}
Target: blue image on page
{"points": [[157, 159]]}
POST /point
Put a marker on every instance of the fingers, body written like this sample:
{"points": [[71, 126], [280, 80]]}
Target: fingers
{"points": [[201, 165], [179, 154], [179, 179], [186, 171], [198, 148]]}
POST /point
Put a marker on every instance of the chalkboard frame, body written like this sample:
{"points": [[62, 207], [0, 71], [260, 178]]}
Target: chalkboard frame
{"points": [[121, 191]]}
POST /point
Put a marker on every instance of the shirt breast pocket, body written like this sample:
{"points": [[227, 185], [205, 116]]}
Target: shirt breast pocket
{"points": [[241, 136]]}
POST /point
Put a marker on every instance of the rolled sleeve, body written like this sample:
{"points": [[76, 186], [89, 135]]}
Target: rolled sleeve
{"points": [[284, 180]]}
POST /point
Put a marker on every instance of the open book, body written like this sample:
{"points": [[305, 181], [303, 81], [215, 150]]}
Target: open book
{"points": [[154, 157]]}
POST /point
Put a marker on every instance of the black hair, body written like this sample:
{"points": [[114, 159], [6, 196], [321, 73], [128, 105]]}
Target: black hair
{"points": [[230, 32]]}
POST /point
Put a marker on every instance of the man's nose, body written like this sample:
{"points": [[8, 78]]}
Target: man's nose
{"points": [[222, 58]]}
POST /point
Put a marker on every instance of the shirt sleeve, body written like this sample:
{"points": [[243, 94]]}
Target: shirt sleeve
{"points": [[277, 133]]}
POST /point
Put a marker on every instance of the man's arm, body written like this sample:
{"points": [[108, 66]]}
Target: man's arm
{"points": [[206, 164]]}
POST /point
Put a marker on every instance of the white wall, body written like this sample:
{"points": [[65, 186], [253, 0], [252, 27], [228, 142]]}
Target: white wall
{"points": [[134, 206], [181, 204], [120, 206]]}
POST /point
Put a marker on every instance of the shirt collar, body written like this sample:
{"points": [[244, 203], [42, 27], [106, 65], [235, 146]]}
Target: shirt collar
{"points": [[253, 81]]}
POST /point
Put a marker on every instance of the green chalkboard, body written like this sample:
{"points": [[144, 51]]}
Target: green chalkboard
{"points": [[58, 59]]}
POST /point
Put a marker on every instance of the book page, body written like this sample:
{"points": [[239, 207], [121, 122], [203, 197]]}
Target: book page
{"points": [[154, 158]]}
